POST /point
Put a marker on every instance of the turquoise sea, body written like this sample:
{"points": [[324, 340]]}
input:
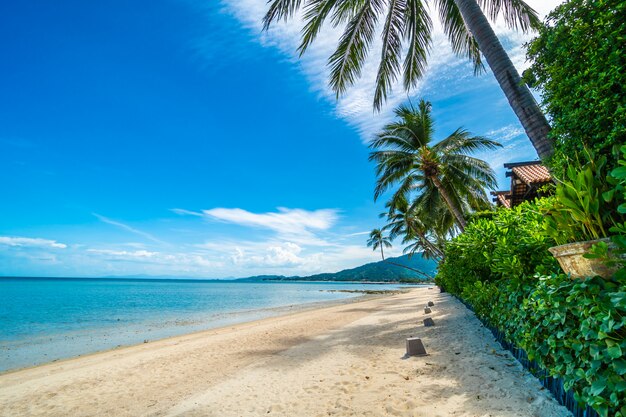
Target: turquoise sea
{"points": [[46, 319]]}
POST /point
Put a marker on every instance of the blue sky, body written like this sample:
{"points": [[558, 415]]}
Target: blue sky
{"points": [[173, 137]]}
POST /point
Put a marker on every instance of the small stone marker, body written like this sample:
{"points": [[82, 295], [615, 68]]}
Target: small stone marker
{"points": [[430, 304], [415, 347], [428, 322], [427, 310]]}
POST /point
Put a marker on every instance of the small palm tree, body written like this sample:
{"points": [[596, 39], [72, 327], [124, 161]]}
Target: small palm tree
{"points": [[378, 240], [404, 220], [407, 39], [405, 155]]}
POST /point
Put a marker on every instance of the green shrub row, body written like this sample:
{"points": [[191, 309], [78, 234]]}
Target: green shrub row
{"points": [[574, 329]]}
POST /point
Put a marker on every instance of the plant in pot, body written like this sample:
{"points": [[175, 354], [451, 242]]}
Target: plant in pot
{"points": [[613, 253], [584, 210]]}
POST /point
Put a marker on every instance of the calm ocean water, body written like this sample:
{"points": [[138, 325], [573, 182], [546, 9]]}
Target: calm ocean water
{"points": [[43, 319]]}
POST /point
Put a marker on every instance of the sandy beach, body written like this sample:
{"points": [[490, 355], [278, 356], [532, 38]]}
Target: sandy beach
{"points": [[345, 360]]}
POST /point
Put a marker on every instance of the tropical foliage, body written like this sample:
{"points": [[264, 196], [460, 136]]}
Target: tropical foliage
{"points": [[579, 64], [586, 203], [407, 40], [443, 175], [575, 330], [508, 245], [378, 240], [498, 261], [406, 223]]}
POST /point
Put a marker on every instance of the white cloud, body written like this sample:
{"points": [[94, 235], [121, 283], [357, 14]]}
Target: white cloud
{"points": [[505, 134], [183, 212], [128, 228], [30, 242], [355, 106], [271, 256], [167, 262], [299, 226], [123, 253], [285, 220], [358, 234]]}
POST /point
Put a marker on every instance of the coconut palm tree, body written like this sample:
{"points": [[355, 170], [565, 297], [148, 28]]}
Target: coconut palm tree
{"points": [[405, 155], [378, 240], [407, 34], [415, 227]]}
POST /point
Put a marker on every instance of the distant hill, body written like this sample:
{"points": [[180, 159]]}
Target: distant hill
{"points": [[380, 271]]}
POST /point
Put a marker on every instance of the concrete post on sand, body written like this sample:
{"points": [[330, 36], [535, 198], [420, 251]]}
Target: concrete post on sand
{"points": [[427, 310], [428, 322], [430, 304], [415, 347]]}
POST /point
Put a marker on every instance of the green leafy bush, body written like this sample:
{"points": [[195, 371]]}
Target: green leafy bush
{"points": [[510, 244], [617, 195], [578, 212], [574, 329], [579, 64]]}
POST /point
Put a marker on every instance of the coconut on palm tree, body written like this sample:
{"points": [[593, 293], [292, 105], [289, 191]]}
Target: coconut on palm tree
{"points": [[378, 240], [407, 40], [440, 173]]}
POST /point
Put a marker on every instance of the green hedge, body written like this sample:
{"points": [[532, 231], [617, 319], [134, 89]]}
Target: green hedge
{"points": [[508, 243], [575, 329]]}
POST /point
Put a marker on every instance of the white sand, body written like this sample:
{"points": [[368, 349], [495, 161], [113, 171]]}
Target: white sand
{"points": [[344, 360]]}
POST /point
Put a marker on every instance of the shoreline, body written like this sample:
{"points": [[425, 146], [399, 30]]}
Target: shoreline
{"points": [[342, 360], [238, 318]]}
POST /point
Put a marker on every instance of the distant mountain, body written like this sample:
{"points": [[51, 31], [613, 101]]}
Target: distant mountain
{"points": [[382, 271]]}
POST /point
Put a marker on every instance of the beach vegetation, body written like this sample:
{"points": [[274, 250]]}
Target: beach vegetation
{"points": [[378, 240], [578, 62], [440, 175], [407, 40], [579, 211], [426, 236], [508, 245], [573, 329], [497, 260]]}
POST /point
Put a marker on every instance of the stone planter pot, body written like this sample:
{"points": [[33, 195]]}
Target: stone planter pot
{"points": [[570, 257]]}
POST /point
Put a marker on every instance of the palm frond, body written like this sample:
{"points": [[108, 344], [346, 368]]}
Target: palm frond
{"points": [[280, 9], [468, 168], [516, 13], [461, 39], [418, 33], [389, 66], [460, 141], [315, 13], [347, 60]]}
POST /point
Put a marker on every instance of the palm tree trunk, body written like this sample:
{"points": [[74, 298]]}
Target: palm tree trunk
{"points": [[411, 269], [453, 207], [430, 245], [521, 100], [381, 251]]}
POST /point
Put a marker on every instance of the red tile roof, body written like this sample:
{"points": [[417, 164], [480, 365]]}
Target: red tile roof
{"points": [[532, 174], [504, 197], [504, 201]]}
